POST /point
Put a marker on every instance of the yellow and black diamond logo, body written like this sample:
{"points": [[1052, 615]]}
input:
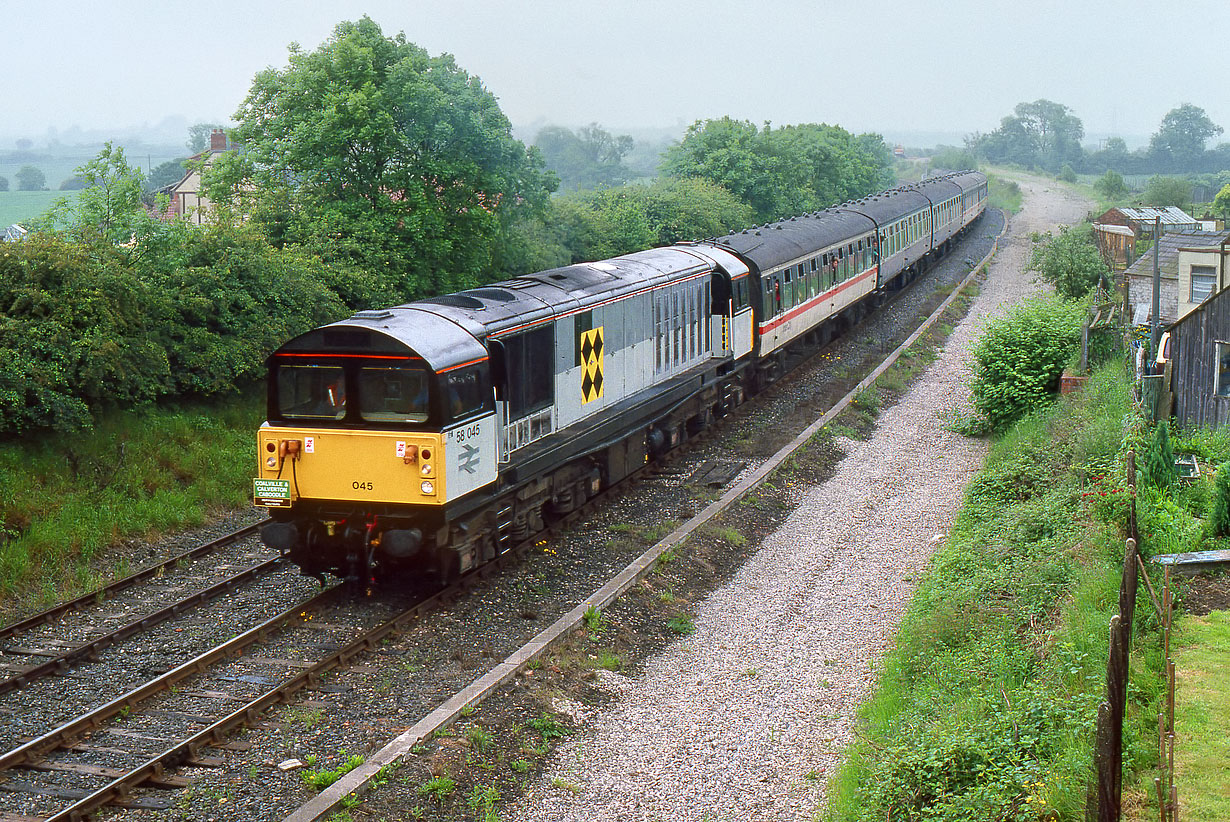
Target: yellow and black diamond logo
{"points": [[591, 365]]}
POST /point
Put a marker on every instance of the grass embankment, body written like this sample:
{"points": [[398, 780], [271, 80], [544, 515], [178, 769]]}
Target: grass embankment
{"points": [[1003, 194], [65, 499], [987, 704], [1202, 721]]}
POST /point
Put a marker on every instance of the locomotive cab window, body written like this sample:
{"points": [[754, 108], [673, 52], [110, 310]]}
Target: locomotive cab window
{"points": [[466, 391], [311, 392], [397, 394]]}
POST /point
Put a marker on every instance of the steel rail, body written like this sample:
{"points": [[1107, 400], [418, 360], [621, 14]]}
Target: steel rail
{"points": [[90, 650], [54, 613], [35, 749], [156, 767]]}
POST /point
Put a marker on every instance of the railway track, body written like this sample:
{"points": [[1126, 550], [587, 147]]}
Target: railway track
{"points": [[127, 787], [169, 705], [465, 698]]}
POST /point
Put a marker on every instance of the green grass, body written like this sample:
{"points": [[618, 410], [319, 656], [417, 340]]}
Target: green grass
{"points": [[1202, 721], [986, 705], [20, 206], [1003, 194], [65, 501]]}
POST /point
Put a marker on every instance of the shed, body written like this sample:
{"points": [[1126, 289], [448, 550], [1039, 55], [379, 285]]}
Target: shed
{"points": [[1117, 244], [1141, 219], [1200, 363]]}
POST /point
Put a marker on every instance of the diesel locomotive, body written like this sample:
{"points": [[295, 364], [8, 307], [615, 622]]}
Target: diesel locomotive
{"points": [[428, 437]]}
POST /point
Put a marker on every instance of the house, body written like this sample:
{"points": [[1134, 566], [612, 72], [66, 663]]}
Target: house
{"points": [[1200, 363], [186, 200], [1141, 220], [1184, 284]]}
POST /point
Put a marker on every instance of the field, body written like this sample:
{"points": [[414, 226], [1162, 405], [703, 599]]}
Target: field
{"points": [[18, 206], [58, 165]]}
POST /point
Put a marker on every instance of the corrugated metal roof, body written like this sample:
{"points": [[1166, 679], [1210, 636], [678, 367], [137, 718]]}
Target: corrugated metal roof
{"points": [[1114, 229], [1168, 251], [1171, 215]]}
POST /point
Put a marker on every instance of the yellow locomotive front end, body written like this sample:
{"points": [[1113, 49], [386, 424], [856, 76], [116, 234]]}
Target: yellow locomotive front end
{"points": [[369, 447]]}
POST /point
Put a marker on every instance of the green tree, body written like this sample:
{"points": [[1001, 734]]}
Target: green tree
{"points": [[1067, 174], [1042, 134], [1070, 262], [109, 207], [370, 151], [1221, 203], [1218, 523], [1111, 185], [784, 171], [1167, 191], [1180, 140], [164, 174], [589, 158], [198, 136], [30, 178]]}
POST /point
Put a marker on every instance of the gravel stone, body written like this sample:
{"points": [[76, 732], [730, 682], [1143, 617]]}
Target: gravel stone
{"points": [[749, 716]]}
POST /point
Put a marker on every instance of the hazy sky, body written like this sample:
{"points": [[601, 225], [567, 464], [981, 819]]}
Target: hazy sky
{"points": [[894, 66]]}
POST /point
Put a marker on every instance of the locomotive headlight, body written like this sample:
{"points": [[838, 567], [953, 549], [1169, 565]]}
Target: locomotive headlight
{"points": [[272, 462], [426, 469], [428, 487]]}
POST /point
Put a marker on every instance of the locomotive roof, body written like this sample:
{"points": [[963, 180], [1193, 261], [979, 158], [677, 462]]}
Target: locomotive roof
{"points": [[404, 330], [783, 242], [508, 305]]}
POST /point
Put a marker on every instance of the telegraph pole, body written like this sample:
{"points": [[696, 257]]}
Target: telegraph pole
{"points": [[1155, 331]]}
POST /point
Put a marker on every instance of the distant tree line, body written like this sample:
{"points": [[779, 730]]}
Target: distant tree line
{"points": [[370, 173], [1046, 136]]}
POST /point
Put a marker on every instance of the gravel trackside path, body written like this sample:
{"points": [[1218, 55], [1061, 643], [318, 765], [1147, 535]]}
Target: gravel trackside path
{"points": [[748, 717]]}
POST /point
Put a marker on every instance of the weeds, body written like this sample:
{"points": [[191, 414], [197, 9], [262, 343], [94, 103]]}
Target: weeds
{"points": [[320, 779], [438, 788]]}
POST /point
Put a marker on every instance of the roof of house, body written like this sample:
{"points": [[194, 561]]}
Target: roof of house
{"points": [[1168, 251], [1170, 215], [1114, 229]]}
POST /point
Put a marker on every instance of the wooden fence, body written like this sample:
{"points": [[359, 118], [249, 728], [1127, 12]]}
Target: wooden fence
{"points": [[1106, 805]]}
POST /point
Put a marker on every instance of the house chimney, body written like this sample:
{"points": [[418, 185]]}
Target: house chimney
{"points": [[217, 140]]}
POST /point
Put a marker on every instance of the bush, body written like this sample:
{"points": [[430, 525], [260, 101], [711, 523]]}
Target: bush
{"points": [[1070, 261], [1218, 524], [1158, 469], [1019, 359], [1067, 174], [1111, 185], [85, 327]]}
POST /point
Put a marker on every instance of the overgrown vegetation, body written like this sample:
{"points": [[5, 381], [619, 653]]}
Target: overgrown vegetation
{"points": [[1018, 360], [1070, 261], [63, 503], [1004, 194], [986, 706]]}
